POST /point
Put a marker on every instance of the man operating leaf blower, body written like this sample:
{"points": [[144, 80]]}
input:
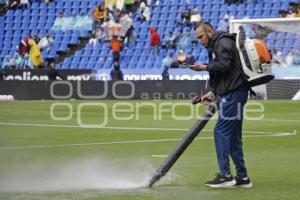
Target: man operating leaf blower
{"points": [[236, 63], [227, 81]]}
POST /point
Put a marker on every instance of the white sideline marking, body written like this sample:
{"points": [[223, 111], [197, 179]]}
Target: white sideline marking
{"points": [[92, 127], [8, 111], [159, 156], [136, 141], [118, 127]]}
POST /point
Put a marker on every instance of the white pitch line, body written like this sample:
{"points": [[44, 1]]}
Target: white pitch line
{"points": [[92, 127], [133, 142], [8, 111], [159, 156], [118, 127]]}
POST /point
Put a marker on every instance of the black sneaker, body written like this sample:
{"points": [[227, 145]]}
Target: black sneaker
{"points": [[243, 182], [221, 181]]}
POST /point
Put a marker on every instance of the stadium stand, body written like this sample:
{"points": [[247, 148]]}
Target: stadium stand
{"points": [[15, 24]]}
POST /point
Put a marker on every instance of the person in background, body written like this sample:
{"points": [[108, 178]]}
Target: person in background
{"points": [[297, 14], [116, 73], [3, 4], [166, 64], [114, 3], [128, 29], [9, 63], [98, 16], [36, 37], [116, 47], [190, 59], [13, 4], [53, 74], [186, 41], [24, 46], [289, 59], [186, 18], [144, 12], [178, 37], [170, 42], [291, 13], [35, 54], [24, 4], [195, 17], [46, 42], [154, 41], [18, 60], [129, 5]]}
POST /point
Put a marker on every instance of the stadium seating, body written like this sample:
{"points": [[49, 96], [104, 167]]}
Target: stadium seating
{"points": [[15, 24]]}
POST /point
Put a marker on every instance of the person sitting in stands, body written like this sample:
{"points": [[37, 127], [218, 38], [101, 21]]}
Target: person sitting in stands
{"points": [[195, 17], [13, 4], [46, 42], [190, 59], [24, 46], [186, 18], [9, 63], [3, 4], [186, 41], [98, 16], [144, 12], [170, 42], [98, 35], [24, 3], [178, 37]]}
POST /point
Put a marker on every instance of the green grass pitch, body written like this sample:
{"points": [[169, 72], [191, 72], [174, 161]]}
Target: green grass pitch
{"points": [[58, 150]]}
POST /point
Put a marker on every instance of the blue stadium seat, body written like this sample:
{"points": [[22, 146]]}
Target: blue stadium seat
{"points": [[250, 6], [63, 47], [99, 65], [149, 65], [267, 5], [257, 14], [279, 43]]}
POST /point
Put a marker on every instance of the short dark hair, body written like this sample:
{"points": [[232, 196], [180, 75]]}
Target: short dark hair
{"points": [[203, 24]]}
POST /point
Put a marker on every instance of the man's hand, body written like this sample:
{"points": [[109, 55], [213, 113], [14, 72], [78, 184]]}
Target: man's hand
{"points": [[198, 67], [208, 97]]}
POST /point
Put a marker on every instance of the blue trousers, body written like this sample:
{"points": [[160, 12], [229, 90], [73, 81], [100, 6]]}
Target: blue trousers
{"points": [[228, 132]]}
